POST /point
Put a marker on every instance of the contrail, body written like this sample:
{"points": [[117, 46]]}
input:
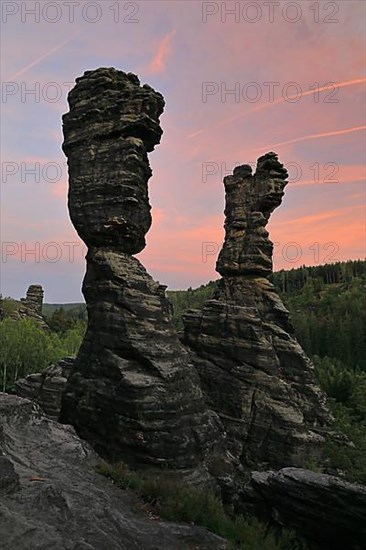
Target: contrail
{"points": [[311, 136], [282, 99], [301, 183], [325, 88], [41, 58]]}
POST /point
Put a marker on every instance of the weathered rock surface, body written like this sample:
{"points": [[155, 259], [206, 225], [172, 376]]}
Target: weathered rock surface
{"points": [[50, 496], [250, 200], [47, 387], [112, 124], [133, 391], [253, 371], [31, 307], [329, 512]]}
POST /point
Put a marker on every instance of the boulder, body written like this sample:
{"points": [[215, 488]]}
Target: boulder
{"points": [[47, 387], [325, 510]]}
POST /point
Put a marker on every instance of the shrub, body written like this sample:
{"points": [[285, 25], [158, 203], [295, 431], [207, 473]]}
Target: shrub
{"points": [[26, 349]]}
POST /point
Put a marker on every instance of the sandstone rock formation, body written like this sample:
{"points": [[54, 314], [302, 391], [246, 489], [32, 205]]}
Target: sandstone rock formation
{"points": [[46, 388], [253, 371], [328, 511], [51, 497], [133, 391], [31, 307]]}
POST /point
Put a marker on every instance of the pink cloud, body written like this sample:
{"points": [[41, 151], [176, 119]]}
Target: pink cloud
{"points": [[159, 61]]}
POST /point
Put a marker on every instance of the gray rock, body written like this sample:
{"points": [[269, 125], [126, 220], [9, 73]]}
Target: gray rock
{"points": [[327, 511], [112, 124], [47, 387], [61, 503], [9, 479], [250, 200]]}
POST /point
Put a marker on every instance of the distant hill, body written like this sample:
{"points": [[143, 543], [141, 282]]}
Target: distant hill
{"points": [[77, 309]]}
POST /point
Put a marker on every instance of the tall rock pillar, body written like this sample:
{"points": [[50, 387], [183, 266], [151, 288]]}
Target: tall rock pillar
{"points": [[133, 393], [253, 371]]}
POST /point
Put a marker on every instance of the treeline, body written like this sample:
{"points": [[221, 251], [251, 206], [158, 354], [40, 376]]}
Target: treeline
{"points": [[293, 280], [329, 317]]}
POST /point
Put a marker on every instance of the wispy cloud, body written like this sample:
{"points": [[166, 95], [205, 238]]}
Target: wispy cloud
{"points": [[311, 136], [159, 61], [41, 58], [327, 88]]}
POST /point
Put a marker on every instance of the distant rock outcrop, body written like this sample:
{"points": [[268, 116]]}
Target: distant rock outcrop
{"points": [[47, 387], [31, 307], [134, 391], [51, 497], [253, 371]]}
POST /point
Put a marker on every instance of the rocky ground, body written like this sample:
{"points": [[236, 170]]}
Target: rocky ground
{"points": [[51, 497]]}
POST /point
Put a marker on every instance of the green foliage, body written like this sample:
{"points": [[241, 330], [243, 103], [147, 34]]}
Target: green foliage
{"points": [[328, 308], [8, 305], [60, 321], [75, 310], [26, 349], [73, 337], [347, 390], [176, 502], [349, 460], [182, 300]]}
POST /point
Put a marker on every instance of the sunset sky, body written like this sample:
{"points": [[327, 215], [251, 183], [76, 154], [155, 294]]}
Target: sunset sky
{"points": [[195, 54]]}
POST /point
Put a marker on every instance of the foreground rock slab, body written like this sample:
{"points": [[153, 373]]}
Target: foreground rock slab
{"points": [[329, 512], [50, 496]]}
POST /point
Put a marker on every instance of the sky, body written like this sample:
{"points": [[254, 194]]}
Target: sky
{"points": [[239, 79]]}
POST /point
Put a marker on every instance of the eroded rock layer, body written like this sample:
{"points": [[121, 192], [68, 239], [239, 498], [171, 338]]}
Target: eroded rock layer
{"points": [[47, 387], [133, 390], [254, 373], [112, 124]]}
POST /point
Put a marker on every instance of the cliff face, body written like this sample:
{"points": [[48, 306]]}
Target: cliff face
{"points": [[253, 371], [133, 391]]}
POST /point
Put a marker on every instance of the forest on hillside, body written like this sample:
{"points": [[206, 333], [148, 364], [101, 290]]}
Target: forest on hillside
{"points": [[328, 309]]}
